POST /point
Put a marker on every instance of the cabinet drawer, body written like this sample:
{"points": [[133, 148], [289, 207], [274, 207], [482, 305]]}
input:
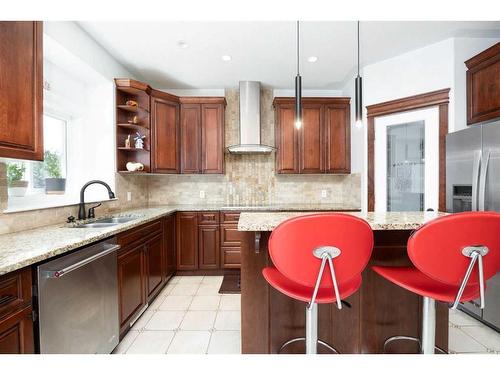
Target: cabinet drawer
{"points": [[16, 333], [229, 217], [139, 233], [15, 291], [230, 236], [231, 257], [208, 218]]}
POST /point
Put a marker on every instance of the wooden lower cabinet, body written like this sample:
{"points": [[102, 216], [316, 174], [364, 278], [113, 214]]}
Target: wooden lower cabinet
{"points": [[208, 247], [169, 246], [187, 241], [16, 318], [154, 261]]}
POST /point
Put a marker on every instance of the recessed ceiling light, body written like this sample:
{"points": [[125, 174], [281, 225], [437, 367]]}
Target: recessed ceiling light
{"points": [[312, 59], [226, 58], [182, 44]]}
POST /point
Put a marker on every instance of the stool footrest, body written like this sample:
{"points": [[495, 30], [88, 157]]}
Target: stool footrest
{"points": [[321, 342], [409, 338]]}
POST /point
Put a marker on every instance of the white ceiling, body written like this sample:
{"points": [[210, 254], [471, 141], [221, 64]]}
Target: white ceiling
{"points": [[265, 51]]}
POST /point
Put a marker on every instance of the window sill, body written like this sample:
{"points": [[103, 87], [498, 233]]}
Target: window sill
{"points": [[41, 205]]}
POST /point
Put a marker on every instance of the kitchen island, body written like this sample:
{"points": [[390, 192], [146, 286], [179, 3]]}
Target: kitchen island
{"points": [[377, 311]]}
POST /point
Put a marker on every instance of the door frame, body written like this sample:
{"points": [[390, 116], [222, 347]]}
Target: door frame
{"points": [[439, 98]]}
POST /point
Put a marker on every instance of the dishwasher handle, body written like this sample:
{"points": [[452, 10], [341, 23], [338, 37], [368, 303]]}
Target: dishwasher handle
{"points": [[64, 271]]}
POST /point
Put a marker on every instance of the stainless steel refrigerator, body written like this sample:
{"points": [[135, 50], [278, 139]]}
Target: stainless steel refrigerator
{"points": [[473, 184]]}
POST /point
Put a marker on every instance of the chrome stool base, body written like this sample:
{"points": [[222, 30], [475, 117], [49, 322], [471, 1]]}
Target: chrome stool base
{"points": [[297, 339], [410, 338]]}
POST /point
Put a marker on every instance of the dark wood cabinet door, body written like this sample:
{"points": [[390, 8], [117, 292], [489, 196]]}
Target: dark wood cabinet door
{"points": [[169, 245], [337, 138], [286, 140], [187, 241], [311, 140], [165, 127], [483, 85], [212, 138], [231, 257], [16, 333], [131, 284], [154, 265], [190, 138], [209, 246], [21, 90]]}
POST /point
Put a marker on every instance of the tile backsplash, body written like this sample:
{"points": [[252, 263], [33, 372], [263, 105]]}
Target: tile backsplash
{"points": [[248, 180]]}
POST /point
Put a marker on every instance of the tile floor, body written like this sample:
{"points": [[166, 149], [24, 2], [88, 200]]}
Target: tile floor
{"points": [[190, 317]]}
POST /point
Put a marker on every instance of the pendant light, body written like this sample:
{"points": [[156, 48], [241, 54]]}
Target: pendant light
{"points": [[298, 86], [359, 94]]}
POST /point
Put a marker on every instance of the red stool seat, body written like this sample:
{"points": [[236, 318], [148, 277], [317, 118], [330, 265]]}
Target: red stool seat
{"points": [[410, 278], [304, 293]]}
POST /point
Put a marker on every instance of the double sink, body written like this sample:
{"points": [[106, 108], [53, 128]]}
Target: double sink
{"points": [[106, 222]]}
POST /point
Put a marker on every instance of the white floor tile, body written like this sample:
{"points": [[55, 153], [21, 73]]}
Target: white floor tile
{"points": [[459, 342], [143, 320], [176, 303], [155, 305], [174, 280], [185, 290], [198, 320], [126, 342], [485, 335], [165, 320], [205, 303], [151, 342], [208, 290], [460, 318], [189, 342], [213, 280], [228, 321], [190, 280], [230, 302], [168, 288], [225, 342]]}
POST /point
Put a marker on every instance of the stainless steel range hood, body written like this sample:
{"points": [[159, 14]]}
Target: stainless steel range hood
{"points": [[250, 121]]}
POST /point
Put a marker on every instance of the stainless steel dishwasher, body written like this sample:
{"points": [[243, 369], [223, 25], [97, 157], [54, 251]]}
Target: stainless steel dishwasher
{"points": [[78, 301]]}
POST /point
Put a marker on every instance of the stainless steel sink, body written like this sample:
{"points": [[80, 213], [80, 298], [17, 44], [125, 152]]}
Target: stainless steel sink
{"points": [[106, 222]]}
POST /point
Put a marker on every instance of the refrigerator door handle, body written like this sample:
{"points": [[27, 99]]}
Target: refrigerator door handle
{"points": [[482, 183], [475, 178]]}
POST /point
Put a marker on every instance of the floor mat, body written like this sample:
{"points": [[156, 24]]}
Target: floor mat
{"points": [[230, 284]]}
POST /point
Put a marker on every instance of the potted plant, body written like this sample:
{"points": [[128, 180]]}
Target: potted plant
{"points": [[16, 185], [54, 182]]}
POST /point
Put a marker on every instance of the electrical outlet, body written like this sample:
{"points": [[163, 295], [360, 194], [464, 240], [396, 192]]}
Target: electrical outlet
{"points": [[129, 196], [324, 193], [202, 194]]}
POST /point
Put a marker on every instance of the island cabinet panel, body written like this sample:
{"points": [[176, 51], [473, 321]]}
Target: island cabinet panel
{"points": [[169, 246], [187, 241], [190, 138], [286, 140], [21, 90], [212, 138], [16, 320], [321, 145], [311, 140], [209, 247], [131, 284], [154, 265], [483, 86], [378, 310], [166, 135]]}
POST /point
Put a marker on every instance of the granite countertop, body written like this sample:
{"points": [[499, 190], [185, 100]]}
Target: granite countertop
{"points": [[267, 221], [21, 249]]}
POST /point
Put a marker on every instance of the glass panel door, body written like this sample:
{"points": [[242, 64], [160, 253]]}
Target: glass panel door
{"points": [[405, 167]]}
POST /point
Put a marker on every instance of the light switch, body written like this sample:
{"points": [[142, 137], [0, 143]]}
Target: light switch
{"points": [[202, 194], [324, 193]]}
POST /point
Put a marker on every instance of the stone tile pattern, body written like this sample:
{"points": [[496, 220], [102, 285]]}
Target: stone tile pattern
{"points": [[188, 317], [251, 179]]}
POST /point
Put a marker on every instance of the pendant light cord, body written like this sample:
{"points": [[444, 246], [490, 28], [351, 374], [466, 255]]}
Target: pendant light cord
{"points": [[298, 46], [358, 48]]}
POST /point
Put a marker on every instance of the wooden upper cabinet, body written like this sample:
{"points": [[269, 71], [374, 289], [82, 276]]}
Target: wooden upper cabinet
{"points": [[483, 86], [190, 138], [337, 132], [212, 138], [21, 90], [322, 144], [311, 140], [166, 135], [286, 140]]}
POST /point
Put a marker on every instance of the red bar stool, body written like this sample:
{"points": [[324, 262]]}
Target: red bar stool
{"points": [[301, 247], [445, 253]]}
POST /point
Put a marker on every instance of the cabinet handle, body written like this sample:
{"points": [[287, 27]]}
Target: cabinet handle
{"points": [[7, 298], [257, 242]]}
